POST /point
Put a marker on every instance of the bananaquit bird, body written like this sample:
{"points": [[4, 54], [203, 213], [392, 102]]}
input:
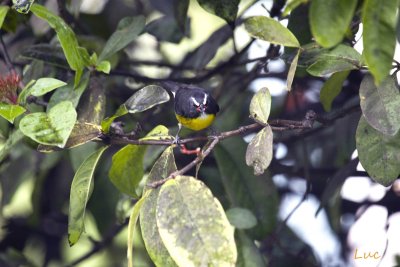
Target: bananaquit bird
{"points": [[194, 107]]}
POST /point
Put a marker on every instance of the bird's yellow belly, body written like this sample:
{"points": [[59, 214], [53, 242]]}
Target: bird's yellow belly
{"points": [[198, 123]]}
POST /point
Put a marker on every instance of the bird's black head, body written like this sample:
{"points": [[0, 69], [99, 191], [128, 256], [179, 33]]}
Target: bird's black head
{"points": [[191, 103]]}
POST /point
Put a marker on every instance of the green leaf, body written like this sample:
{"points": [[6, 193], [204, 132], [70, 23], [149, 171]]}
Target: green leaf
{"points": [[260, 105], [160, 132], [104, 66], [126, 170], [39, 88], [332, 88], [132, 225], [193, 225], [52, 128], [380, 105], [73, 53], [106, 123], [243, 189], [226, 9], [260, 150], [292, 70], [82, 133], [341, 58], [378, 153], [3, 14], [128, 29], [70, 92], [270, 30], [81, 188], [248, 253], [146, 98], [291, 5], [241, 218], [159, 254], [330, 20], [10, 112], [379, 36]]}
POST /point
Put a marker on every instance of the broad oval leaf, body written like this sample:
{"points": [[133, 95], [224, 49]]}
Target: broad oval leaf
{"points": [[3, 14], [126, 170], [378, 153], [330, 20], [193, 224], [260, 150], [146, 98], [226, 9], [340, 58], [81, 188], [379, 36], [380, 105], [270, 30], [241, 218], [82, 133], [260, 105], [155, 247], [128, 29], [292, 70], [332, 88], [132, 225], [45, 85], [10, 112], [52, 128]]}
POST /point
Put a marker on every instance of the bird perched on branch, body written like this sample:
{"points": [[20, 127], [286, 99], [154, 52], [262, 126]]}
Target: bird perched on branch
{"points": [[194, 107]]}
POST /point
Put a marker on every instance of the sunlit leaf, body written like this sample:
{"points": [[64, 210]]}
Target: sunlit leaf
{"points": [[340, 58], [292, 70], [330, 20], [128, 29], [74, 55], [3, 14], [380, 105], [260, 150], [52, 128], [160, 132], [132, 225], [379, 36], [104, 66], [241, 218], [378, 153], [10, 112], [270, 30], [291, 5], [193, 224], [39, 88], [81, 188], [82, 133], [226, 9], [146, 98], [164, 166], [126, 170], [260, 105], [331, 89]]}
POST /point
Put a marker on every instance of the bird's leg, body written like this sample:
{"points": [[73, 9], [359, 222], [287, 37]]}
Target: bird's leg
{"points": [[177, 138]]}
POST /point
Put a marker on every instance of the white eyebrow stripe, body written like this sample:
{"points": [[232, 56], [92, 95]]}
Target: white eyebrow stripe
{"points": [[205, 99], [195, 101]]}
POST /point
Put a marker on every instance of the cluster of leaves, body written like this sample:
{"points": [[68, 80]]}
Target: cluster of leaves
{"points": [[181, 222]]}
